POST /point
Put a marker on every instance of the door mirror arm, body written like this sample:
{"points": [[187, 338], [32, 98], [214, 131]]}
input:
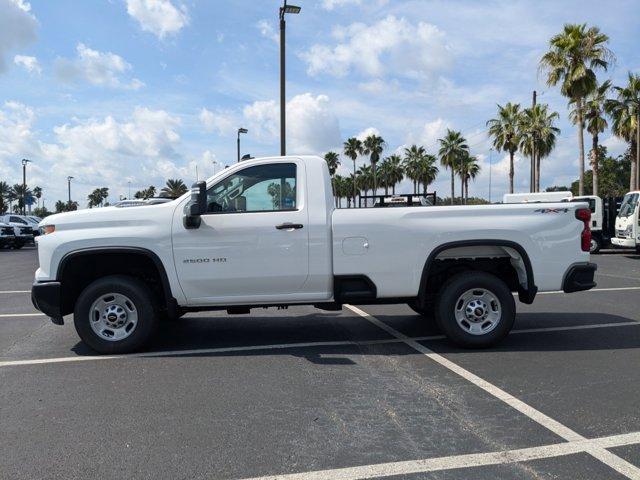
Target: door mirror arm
{"points": [[196, 206]]}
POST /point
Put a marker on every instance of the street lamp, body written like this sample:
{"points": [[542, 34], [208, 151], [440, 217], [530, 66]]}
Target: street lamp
{"points": [[240, 130], [69, 188], [24, 185], [284, 10]]}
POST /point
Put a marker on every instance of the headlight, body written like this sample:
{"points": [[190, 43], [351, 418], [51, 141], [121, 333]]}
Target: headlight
{"points": [[628, 232], [47, 229]]}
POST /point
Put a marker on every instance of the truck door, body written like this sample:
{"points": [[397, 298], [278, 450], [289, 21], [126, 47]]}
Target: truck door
{"points": [[252, 245]]}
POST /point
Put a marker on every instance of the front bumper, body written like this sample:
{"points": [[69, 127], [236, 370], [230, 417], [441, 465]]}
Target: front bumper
{"points": [[623, 242], [47, 298], [579, 277]]}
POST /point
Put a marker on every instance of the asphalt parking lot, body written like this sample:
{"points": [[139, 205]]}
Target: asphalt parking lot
{"points": [[300, 394]]}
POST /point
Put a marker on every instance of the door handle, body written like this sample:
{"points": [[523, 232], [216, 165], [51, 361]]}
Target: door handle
{"points": [[289, 226]]}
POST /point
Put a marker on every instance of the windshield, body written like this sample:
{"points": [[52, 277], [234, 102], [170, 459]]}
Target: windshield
{"points": [[628, 205]]}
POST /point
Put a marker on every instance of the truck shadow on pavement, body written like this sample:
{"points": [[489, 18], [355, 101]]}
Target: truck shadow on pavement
{"points": [[249, 333]]}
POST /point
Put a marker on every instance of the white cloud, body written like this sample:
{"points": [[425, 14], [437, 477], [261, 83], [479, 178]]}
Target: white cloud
{"points": [[30, 64], [312, 126], [366, 132], [222, 122], [98, 68], [160, 17], [331, 4], [267, 30], [392, 46], [17, 28]]}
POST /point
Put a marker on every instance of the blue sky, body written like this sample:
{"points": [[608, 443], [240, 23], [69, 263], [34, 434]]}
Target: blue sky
{"points": [[138, 91]]}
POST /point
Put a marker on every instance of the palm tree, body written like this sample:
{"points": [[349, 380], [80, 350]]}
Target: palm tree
{"points": [[427, 171], [453, 147], [624, 111], [395, 171], [468, 170], [596, 123], [174, 188], [505, 132], [538, 136], [573, 56], [412, 158], [5, 189], [37, 192], [21, 194], [352, 148], [373, 146], [333, 162], [365, 178]]}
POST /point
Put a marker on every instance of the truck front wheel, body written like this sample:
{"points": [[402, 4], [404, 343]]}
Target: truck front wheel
{"points": [[115, 314], [475, 309]]}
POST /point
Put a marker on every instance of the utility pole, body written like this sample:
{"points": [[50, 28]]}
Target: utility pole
{"points": [[240, 130]]}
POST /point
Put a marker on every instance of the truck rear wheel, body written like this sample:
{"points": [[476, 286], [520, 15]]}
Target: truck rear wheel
{"points": [[596, 244], [475, 309], [115, 314]]}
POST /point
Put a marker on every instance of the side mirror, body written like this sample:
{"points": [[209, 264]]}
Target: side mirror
{"points": [[197, 205]]}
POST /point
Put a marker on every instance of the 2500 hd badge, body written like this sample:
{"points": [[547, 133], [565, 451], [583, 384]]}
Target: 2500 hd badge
{"points": [[205, 260]]}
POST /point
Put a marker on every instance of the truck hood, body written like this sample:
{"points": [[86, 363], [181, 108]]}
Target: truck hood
{"points": [[110, 217]]}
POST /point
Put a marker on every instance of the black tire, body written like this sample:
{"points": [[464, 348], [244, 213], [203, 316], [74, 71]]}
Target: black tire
{"points": [[18, 246], [596, 244], [451, 294], [143, 303]]}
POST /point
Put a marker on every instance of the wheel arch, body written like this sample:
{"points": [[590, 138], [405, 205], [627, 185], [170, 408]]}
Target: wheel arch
{"points": [[523, 267], [137, 255]]}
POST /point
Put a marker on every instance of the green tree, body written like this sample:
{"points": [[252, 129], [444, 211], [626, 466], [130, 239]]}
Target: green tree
{"points": [[596, 123], [624, 111], [613, 172], [395, 171], [352, 148], [37, 192], [145, 193], [5, 190], [276, 197], [538, 136], [364, 178], [20, 194], [468, 170], [174, 188], [453, 148], [427, 171], [572, 60], [505, 130], [333, 162], [373, 146]]}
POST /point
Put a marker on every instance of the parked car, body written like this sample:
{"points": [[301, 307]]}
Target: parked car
{"points": [[23, 229], [7, 235], [265, 232]]}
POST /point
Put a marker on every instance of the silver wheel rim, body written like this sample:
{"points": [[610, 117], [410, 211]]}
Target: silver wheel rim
{"points": [[478, 311], [594, 245], [113, 317]]}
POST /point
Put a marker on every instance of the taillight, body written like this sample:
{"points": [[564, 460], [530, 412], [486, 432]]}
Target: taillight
{"points": [[584, 214]]}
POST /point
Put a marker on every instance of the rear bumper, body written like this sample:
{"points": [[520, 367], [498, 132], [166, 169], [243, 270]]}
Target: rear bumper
{"points": [[47, 298], [579, 277]]}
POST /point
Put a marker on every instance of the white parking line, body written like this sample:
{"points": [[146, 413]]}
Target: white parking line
{"points": [[611, 289], [608, 458], [14, 291], [34, 314], [461, 461]]}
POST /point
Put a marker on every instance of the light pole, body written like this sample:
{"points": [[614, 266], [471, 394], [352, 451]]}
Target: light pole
{"points": [[69, 188], [129, 194], [240, 130], [24, 185], [284, 10]]}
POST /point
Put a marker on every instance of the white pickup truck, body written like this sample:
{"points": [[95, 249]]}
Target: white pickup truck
{"points": [[266, 233]]}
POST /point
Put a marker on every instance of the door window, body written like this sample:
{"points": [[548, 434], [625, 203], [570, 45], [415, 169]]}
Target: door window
{"points": [[261, 188]]}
